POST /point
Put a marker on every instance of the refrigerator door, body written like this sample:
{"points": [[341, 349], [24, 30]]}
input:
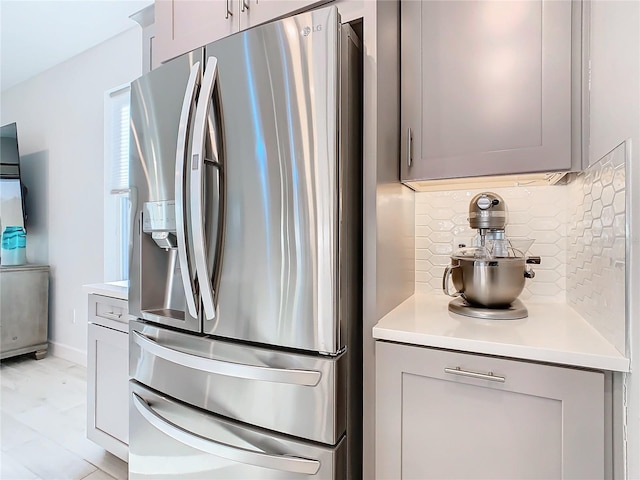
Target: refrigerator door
{"points": [[279, 269], [163, 284], [300, 395], [172, 440]]}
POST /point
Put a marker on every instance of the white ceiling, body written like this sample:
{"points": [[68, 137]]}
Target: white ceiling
{"points": [[35, 35]]}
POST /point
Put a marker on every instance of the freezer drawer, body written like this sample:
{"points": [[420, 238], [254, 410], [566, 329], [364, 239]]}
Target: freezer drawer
{"points": [[170, 440], [300, 395]]}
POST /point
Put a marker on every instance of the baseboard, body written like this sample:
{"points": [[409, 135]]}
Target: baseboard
{"points": [[68, 353]]}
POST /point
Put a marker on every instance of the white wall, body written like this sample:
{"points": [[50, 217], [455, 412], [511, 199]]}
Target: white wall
{"points": [[615, 117], [61, 128]]}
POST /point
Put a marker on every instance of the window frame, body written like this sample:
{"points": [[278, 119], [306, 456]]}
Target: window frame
{"points": [[117, 204]]}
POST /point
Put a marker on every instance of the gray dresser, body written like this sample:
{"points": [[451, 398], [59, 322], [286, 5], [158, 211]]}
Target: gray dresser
{"points": [[24, 310]]}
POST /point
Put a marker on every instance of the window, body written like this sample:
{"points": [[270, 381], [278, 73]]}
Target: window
{"points": [[117, 205]]}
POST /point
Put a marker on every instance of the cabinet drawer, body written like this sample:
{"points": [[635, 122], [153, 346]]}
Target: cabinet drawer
{"points": [[505, 418], [109, 312]]}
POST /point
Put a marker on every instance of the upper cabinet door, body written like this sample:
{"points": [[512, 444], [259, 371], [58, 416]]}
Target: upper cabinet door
{"points": [[487, 87], [184, 25], [255, 12]]}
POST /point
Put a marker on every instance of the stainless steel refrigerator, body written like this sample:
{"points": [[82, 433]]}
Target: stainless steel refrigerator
{"points": [[245, 360]]}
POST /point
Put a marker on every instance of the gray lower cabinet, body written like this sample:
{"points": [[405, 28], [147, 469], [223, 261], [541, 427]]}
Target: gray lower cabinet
{"points": [[450, 415], [24, 310], [491, 88], [108, 375]]}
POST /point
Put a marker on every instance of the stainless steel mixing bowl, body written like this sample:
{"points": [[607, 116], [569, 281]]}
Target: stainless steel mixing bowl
{"points": [[492, 283]]}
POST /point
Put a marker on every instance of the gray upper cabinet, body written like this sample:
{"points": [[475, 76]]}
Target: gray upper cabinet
{"points": [[184, 25], [490, 88], [261, 11]]}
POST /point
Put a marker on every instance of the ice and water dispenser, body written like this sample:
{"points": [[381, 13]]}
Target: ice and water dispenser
{"points": [[159, 221], [161, 295]]}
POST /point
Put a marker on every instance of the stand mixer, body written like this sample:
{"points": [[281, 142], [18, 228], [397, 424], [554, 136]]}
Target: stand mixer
{"points": [[487, 214], [489, 276]]}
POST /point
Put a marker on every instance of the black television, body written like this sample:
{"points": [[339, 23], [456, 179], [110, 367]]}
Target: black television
{"points": [[9, 155], [12, 190]]}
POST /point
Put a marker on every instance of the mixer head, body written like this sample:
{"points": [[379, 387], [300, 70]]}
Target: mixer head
{"points": [[487, 212]]}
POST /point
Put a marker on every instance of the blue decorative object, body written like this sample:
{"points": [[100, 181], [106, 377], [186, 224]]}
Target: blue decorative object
{"points": [[14, 246]]}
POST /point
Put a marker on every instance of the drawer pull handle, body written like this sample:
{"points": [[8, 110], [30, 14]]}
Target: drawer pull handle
{"points": [[281, 462], [481, 376], [309, 378], [113, 315]]}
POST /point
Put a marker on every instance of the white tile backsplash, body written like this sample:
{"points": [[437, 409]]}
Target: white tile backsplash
{"points": [[539, 213], [580, 231], [596, 246]]}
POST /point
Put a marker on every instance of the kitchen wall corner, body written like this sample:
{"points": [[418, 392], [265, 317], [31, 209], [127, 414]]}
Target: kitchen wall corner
{"points": [[596, 245]]}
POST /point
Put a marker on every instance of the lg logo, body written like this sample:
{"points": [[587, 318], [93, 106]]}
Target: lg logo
{"points": [[308, 30]]}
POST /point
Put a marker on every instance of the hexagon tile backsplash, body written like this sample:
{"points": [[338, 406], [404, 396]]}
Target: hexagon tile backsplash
{"points": [[579, 231], [596, 246], [538, 213]]}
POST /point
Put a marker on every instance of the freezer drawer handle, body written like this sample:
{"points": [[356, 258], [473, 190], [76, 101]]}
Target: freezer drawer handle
{"points": [[251, 372], [482, 376], [284, 463]]}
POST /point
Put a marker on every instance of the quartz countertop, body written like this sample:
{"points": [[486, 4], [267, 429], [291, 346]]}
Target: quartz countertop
{"points": [[553, 332], [110, 289]]}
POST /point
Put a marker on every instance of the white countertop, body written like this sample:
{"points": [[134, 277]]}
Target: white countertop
{"points": [[553, 332], [110, 289]]}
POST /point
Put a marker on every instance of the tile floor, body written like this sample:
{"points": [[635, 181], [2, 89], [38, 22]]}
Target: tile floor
{"points": [[43, 424]]}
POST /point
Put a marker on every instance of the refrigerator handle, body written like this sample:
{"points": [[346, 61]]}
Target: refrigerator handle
{"points": [[197, 187], [309, 378], [284, 463], [180, 187]]}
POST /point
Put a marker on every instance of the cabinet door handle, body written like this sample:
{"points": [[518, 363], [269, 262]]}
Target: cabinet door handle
{"points": [[229, 12], [245, 5], [481, 376], [409, 145]]}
